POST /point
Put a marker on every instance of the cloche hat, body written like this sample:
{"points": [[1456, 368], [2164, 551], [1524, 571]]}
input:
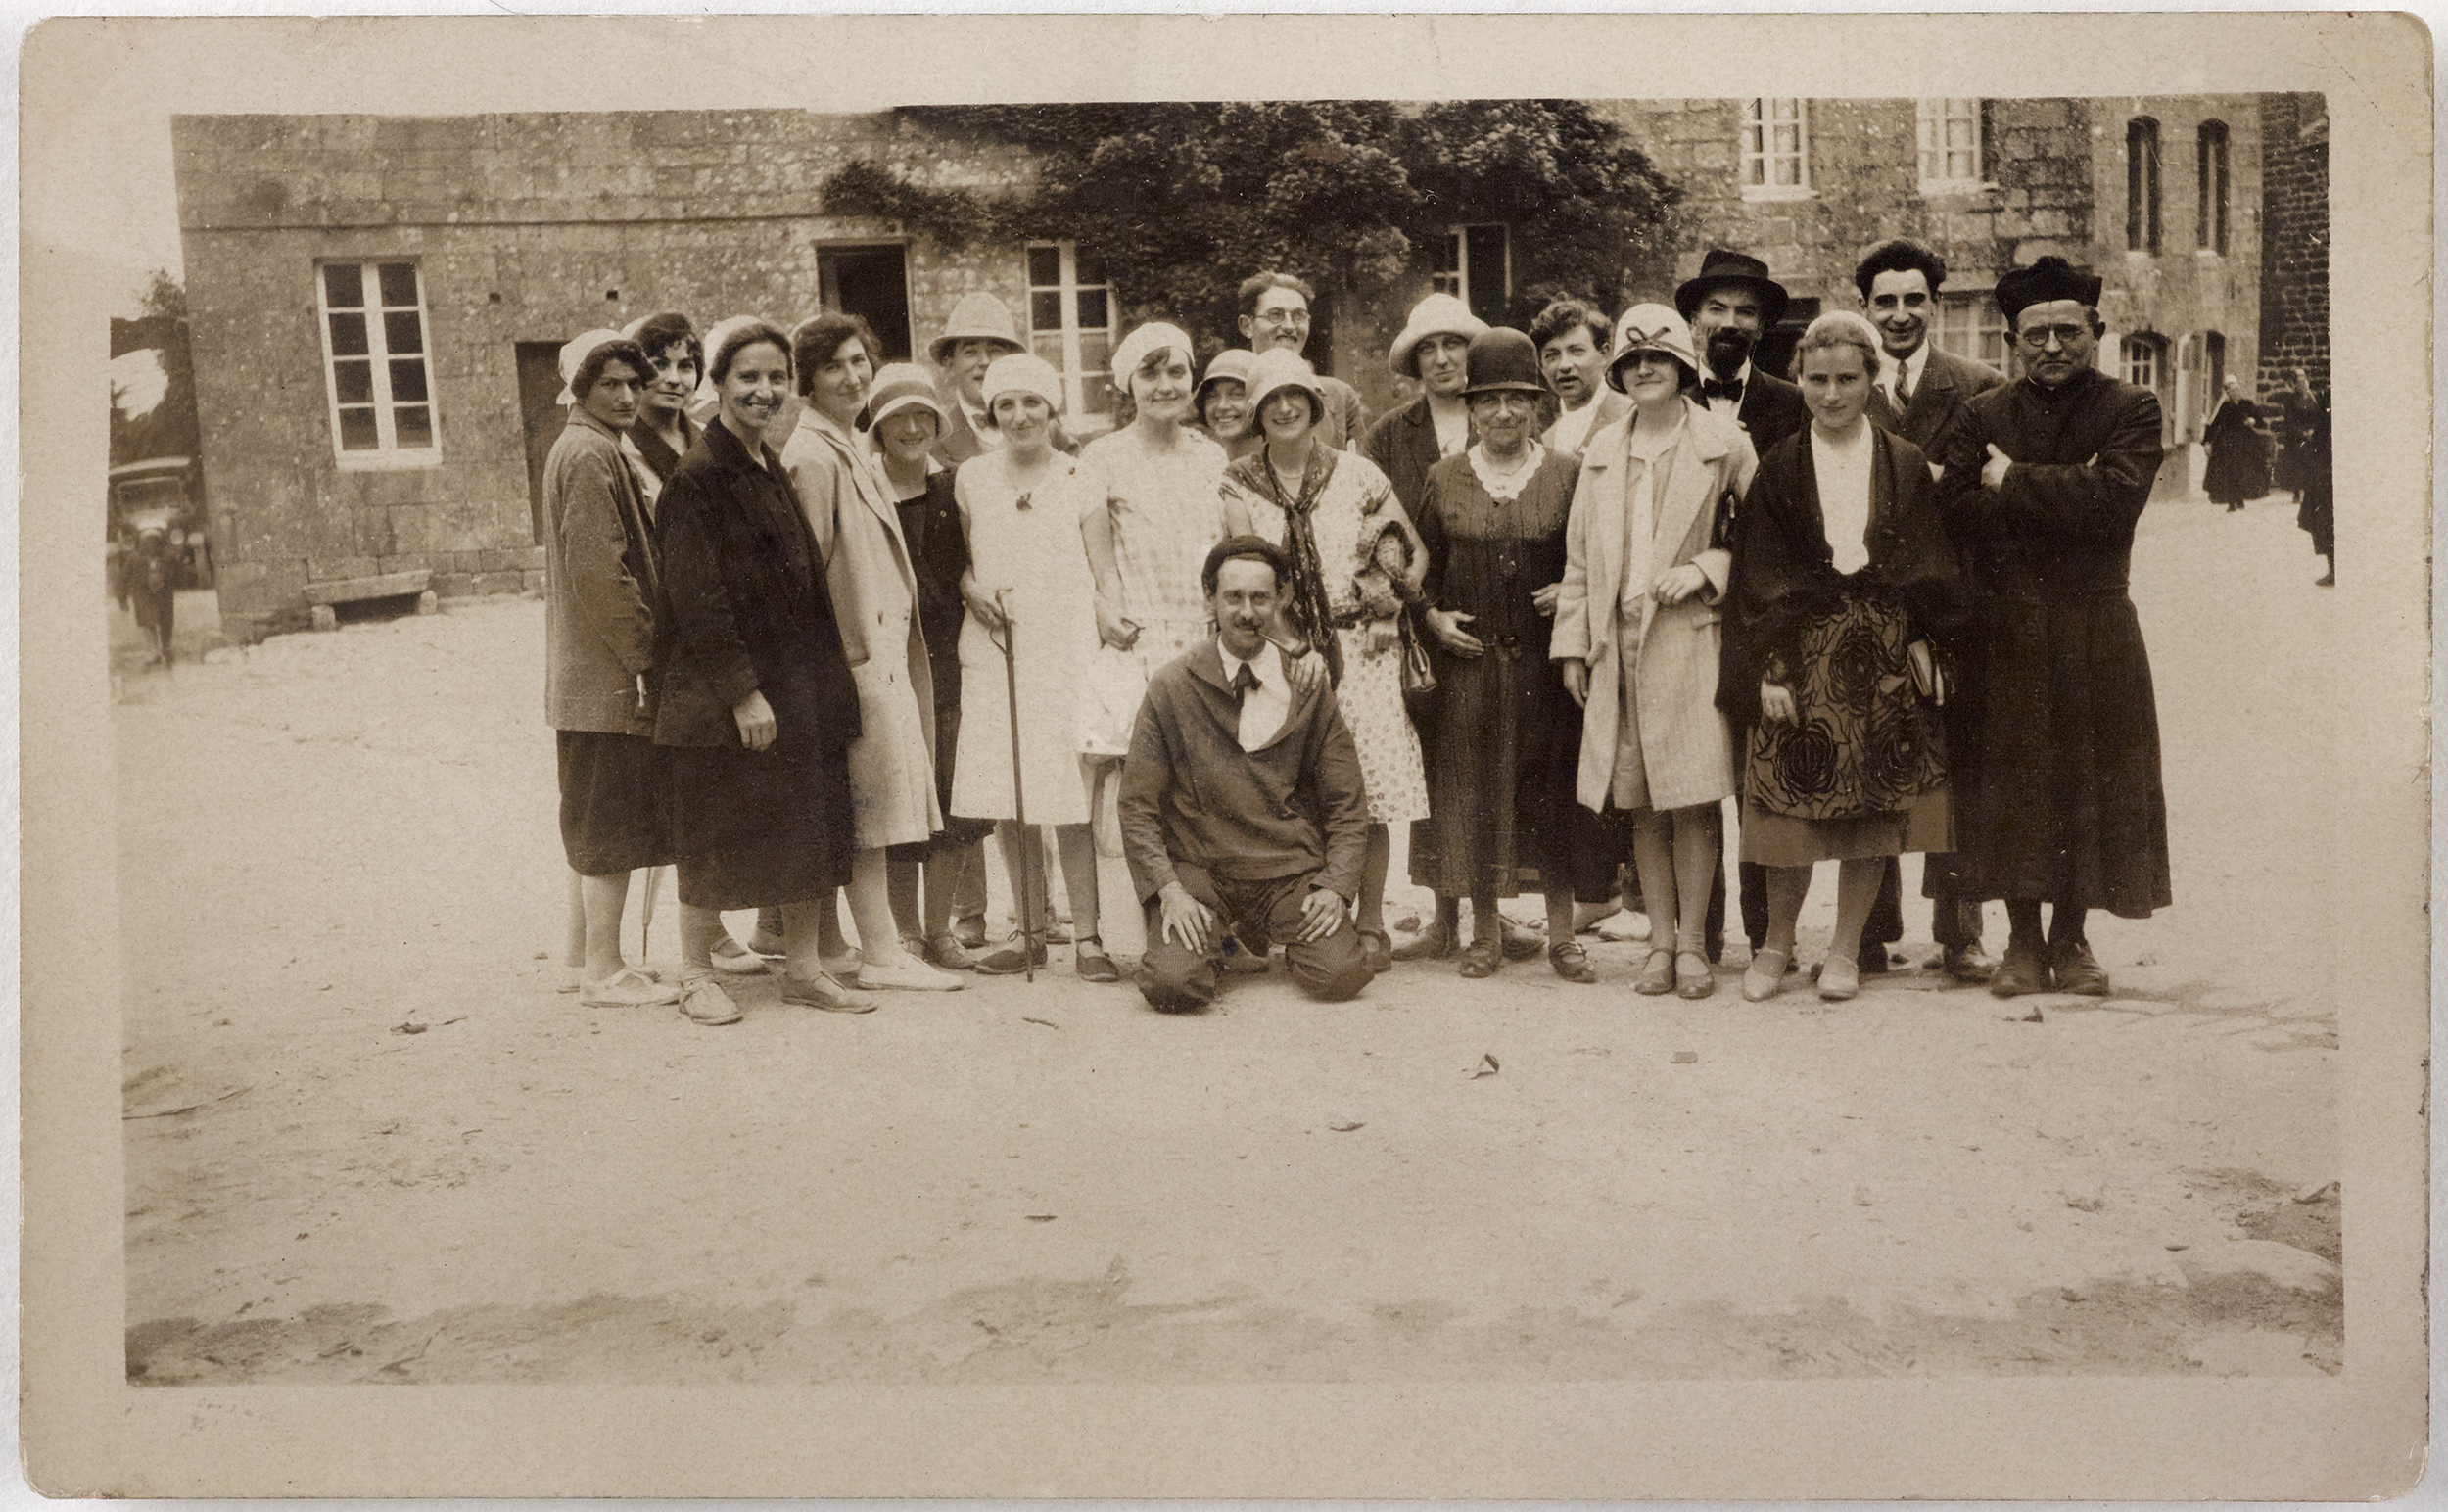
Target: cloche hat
{"points": [[1280, 367], [1502, 360], [1649, 328], [1026, 373], [977, 317], [1439, 315], [897, 387], [1723, 266], [578, 348], [1234, 362], [1154, 336]]}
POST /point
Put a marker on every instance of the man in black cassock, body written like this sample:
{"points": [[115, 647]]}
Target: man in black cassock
{"points": [[2056, 794]]}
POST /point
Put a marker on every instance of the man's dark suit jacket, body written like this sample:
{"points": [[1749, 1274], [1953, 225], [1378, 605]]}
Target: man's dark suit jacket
{"points": [[1403, 445], [1771, 410], [1947, 381]]}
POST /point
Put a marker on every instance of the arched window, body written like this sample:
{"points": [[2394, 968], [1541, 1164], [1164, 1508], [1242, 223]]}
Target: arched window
{"points": [[2141, 185], [2211, 163]]}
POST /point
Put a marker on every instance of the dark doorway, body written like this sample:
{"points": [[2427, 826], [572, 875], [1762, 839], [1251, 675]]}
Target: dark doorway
{"points": [[873, 283], [539, 388]]}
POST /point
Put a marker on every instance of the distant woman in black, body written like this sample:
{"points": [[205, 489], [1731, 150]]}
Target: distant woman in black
{"points": [[2239, 452], [757, 698]]}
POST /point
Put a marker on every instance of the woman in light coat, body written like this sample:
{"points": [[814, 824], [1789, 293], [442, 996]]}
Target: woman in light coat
{"points": [[1637, 630], [857, 524]]}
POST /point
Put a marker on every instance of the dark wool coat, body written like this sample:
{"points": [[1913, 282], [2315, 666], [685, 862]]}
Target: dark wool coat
{"points": [[746, 605], [1403, 445], [1771, 410], [2056, 787], [599, 583]]}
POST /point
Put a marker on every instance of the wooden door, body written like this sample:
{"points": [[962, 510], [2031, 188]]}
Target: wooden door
{"points": [[542, 416]]}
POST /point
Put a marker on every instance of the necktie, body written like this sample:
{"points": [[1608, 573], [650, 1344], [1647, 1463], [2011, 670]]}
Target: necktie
{"points": [[1244, 683], [1716, 388], [1904, 386]]}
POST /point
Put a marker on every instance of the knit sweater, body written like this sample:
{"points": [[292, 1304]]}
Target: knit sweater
{"points": [[1190, 796]]}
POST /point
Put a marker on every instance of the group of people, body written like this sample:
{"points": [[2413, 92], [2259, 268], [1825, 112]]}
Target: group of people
{"points": [[2285, 442], [1594, 579]]}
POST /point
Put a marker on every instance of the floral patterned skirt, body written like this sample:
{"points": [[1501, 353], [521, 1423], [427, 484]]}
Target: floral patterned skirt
{"points": [[1863, 767]]}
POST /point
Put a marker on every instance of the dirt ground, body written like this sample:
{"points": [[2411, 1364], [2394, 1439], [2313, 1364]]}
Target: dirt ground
{"points": [[368, 1139]]}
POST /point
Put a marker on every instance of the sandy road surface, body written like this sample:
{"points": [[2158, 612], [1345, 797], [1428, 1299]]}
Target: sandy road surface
{"points": [[368, 1141]]}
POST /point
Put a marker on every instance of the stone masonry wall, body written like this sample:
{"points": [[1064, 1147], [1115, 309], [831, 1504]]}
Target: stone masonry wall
{"points": [[1865, 188], [525, 228], [2294, 240]]}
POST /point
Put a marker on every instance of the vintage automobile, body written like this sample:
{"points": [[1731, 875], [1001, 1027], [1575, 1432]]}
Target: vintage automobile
{"points": [[157, 543]]}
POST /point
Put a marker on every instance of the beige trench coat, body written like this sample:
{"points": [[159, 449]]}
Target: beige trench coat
{"points": [[848, 503], [1685, 748]]}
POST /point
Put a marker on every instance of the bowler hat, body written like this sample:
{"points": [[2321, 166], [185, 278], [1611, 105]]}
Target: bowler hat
{"points": [[1439, 315], [977, 317], [1503, 360], [1649, 328], [2048, 279], [1723, 266]]}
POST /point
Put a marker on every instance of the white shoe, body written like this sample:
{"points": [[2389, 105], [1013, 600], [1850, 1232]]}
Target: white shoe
{"points": [[906, 975], [731, 957], [843, 966], [628, 987]]}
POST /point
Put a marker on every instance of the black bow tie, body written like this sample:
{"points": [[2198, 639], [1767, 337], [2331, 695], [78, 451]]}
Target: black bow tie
{"points": [[1719, 388]]}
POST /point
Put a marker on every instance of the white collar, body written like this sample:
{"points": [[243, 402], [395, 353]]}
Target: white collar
{"points": [[1267, 665], [1912, 365]]}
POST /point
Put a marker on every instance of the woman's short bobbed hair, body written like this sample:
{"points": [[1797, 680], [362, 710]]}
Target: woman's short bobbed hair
{"points": [[820, 336], [659, 334], [1839, 329], [737, 337]]}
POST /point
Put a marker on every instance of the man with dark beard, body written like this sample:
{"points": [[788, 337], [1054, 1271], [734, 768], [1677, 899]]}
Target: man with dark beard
{"points": [[1729, 304], [2056, 794]]}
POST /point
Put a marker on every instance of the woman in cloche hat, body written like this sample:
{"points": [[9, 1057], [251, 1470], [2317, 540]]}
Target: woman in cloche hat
{"points": [[1502, 736], [1636, 631]]}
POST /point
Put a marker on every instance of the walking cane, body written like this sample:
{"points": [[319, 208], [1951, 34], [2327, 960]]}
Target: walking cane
{"points": [[1029, 872], [645, 911]]}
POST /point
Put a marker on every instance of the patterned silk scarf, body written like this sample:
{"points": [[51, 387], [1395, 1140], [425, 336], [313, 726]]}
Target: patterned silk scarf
{"points": [[1309, 612]]}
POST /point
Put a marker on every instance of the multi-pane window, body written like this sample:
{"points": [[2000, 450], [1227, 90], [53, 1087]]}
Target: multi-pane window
{"points": [[2145, 360], [1969, 326], [2211, 160], [2141, 185], [1949, 132], [378, 359], [1070, 323], [1475, 264], [1776, 148]]}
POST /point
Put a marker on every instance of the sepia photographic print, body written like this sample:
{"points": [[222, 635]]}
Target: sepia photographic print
{"points": [[1089, 756]]}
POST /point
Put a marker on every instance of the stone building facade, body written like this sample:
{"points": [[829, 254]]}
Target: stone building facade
{"points": [[1811, 185], [376, 303], [2294, 239]]}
